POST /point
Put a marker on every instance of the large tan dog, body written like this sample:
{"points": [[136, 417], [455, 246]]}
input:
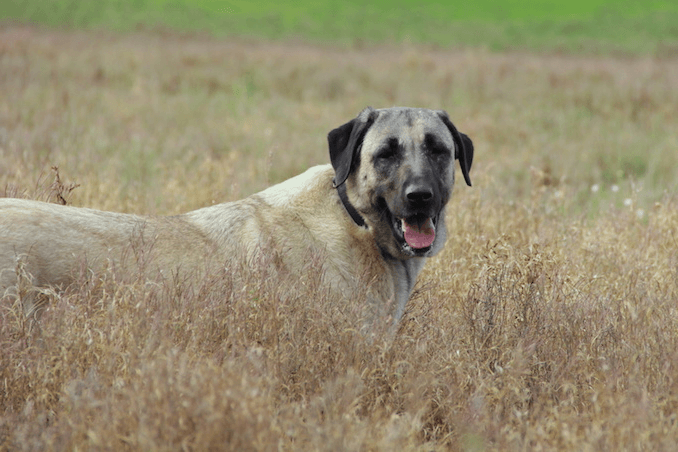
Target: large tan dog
{"points": [[374, 216]]}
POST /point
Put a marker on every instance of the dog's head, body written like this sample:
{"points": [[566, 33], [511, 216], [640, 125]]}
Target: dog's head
{"points": [[397, 166]]}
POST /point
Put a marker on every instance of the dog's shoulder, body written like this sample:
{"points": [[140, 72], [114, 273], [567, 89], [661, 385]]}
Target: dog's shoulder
{"points": [[297, 189]]}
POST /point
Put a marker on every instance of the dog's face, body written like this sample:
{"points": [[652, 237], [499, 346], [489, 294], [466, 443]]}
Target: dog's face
{"points": [[397, 165]]}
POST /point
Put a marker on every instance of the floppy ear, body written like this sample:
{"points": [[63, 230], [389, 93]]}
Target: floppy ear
{"points": [[464, 144], [468, 159], [345, 142]]}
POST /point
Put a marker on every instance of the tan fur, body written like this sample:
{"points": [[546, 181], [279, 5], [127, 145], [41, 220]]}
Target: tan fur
{"points": [[300, 217], [52, 240]]}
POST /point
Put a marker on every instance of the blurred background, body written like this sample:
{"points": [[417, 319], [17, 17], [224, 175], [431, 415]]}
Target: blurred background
{"points": [[596, 26], [575, 101]]}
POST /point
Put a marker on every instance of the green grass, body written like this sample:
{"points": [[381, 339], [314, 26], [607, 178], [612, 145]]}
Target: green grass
{"points": [[599, 26]]}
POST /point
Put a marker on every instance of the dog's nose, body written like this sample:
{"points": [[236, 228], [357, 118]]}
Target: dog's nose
{"points": [[418, 195]]}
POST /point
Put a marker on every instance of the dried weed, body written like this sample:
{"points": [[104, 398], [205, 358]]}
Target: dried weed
{"points": [[547, 323]]}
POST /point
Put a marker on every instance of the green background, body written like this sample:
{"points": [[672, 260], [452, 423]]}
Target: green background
{"points": [[595, 26]]}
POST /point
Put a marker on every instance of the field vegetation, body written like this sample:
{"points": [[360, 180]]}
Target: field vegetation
{"points": [[576, 26], [549, 322]]}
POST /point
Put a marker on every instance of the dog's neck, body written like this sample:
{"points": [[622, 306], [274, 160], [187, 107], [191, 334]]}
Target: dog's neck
{"points": [[357, 219]]}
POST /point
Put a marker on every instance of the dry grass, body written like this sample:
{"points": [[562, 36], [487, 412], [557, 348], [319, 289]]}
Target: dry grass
{"points": [[548, 323]]}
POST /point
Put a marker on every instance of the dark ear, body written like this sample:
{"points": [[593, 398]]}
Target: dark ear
{"points": [[345, 141], [468, 160], [464, 144]]}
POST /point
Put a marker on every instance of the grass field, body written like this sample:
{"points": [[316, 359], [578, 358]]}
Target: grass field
{"points": [[591, 27], [549, 321]]}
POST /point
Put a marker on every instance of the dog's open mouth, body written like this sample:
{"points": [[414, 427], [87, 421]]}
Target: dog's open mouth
{"points": [[418, 231], [415, 234]]}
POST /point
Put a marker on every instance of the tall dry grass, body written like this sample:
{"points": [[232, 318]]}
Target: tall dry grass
{"points": [[549, 321]]}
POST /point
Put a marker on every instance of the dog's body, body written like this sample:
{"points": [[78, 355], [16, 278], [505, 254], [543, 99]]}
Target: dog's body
{"points": [[374, 216]]}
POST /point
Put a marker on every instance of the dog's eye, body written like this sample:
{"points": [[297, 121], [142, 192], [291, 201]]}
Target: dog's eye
{"points": [[435, 147], [385, 154], [389, 151], [439, 150]]}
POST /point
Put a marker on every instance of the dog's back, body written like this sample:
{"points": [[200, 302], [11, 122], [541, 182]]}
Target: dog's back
{"points": [[51, 241]]}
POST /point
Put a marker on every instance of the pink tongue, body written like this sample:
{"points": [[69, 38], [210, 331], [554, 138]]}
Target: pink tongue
{"points": [[419, 237]]}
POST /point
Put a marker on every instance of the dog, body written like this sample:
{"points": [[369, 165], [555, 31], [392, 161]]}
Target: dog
{"points": [[375, 215]]}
